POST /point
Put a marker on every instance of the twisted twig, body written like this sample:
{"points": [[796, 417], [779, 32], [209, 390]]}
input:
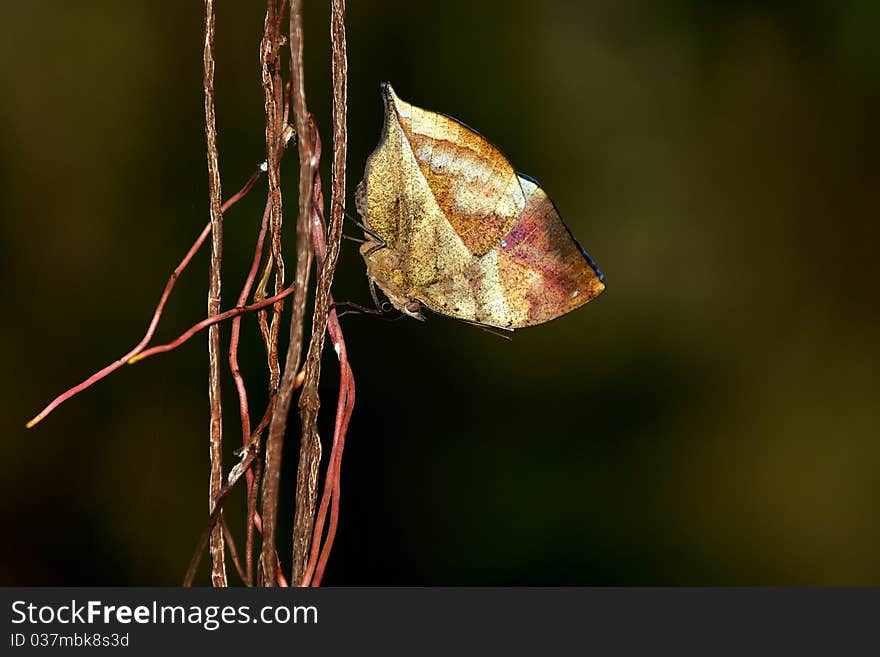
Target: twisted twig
{"points": [[218, 566]]}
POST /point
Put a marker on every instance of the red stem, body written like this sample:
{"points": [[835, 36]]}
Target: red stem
{"points": [[115, 365], [345, 405], [236, 328], [210, 321]]}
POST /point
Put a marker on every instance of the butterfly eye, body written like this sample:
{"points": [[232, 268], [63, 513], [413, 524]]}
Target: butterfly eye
{"points": [[413, 306]]}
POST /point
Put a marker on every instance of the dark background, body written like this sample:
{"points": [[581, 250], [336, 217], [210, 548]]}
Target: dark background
{"points": [[710, 419]]}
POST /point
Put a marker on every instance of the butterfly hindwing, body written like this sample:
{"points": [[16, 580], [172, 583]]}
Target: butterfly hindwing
{"points": [[466, 235]]}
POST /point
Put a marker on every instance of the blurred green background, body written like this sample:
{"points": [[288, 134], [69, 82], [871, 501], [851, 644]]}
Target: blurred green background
{"points": [[710, 419]]}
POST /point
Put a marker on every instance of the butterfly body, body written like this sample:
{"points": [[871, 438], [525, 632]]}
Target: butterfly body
{"points": [[464, 234]]}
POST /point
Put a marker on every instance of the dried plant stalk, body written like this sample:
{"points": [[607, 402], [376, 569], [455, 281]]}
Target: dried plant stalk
{"points": [[214, 523], [306, 482], [270, 74], [218, 565], [319, 553], [311, 240], [309, 401], [272, 88]]}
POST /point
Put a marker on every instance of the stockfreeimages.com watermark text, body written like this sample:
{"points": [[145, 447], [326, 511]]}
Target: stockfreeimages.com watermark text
{"points": [[210, 617]]}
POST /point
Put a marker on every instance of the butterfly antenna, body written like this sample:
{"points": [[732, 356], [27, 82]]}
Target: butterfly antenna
{"points": [[489, 330], [495, 333]]}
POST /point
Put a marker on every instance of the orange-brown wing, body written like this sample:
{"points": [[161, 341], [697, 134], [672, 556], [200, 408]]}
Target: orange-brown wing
{"points": [[537, 272], [540, 262], [474, 185], [466, 235]]}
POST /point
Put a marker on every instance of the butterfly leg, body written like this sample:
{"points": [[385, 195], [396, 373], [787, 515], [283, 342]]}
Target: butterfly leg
{"points": [[373, 249], [373, 294], [356, 308], [381, 242]]}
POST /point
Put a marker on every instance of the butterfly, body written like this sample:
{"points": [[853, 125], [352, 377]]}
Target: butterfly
{"points": [[451, 227]]}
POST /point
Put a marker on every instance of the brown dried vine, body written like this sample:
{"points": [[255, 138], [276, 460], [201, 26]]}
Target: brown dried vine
{"points": [[271, 77], [319, 552], [310, 452], [218, 565], [260, 466], [345, 402]]}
